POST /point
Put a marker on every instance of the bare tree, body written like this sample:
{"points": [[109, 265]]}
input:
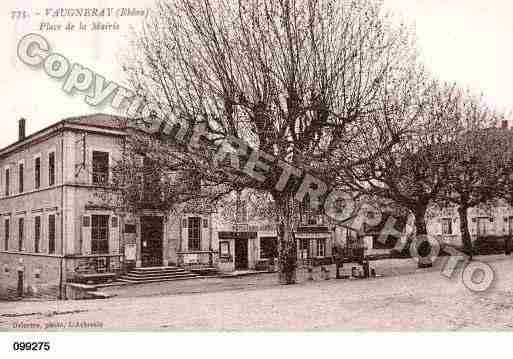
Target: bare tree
{"points": [[476, 161], [415, 173], [306, 83]]}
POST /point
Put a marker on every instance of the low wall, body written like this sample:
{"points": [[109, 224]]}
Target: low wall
{"points": [[41, 275]]}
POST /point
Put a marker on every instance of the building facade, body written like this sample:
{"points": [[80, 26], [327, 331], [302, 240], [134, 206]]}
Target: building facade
{"points": [[56, 224], [490, 221]]}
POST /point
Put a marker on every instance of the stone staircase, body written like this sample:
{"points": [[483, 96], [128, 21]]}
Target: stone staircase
{"points": [[156, 274]]}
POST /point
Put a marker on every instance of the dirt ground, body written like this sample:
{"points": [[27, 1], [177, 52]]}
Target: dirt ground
{"points": [[403, 299]]}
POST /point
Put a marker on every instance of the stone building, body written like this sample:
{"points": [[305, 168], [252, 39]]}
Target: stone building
{"points": [[55, 225], [486, 221]]}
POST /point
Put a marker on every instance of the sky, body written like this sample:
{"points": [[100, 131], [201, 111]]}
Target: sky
{"points": [[464, 41]]}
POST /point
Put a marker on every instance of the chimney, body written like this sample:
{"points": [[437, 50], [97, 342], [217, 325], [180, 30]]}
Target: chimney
{"points": [[21, 129], [504, 124]]}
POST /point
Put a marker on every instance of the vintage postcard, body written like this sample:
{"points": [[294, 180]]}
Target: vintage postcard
{"points": [[255, 165]]}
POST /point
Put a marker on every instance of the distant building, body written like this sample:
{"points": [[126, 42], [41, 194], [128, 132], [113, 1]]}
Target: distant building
{"points": [[483, 222]]}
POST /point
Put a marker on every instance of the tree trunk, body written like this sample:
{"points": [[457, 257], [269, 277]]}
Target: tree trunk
{"points": [[507, 244], [465, 233], [424, 249], [287, 254]]}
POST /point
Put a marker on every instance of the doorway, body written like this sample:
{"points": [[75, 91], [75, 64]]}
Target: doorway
{"points": [[151, 241], [241, 254]]}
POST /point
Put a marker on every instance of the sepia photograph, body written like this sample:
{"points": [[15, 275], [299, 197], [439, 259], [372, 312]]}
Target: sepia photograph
{"points": [[200, 167]]}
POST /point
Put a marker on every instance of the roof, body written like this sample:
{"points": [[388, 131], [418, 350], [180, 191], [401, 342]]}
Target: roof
{"points": [[98, 120]]}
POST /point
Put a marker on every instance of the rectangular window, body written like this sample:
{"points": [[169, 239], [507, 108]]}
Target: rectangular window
{"points": [[321, 247], [194, 233], [242, 215], [481, 226], [51, 169], [21, 174], [305, 210], [21, 230], [37, 173], [268, 247], [7, 181], [99, 234], [100, 167], [37, 233], [7, 224], [130, 228], [447, 226], [51, 233], [224, 249], [509, 222], [303, 248]]}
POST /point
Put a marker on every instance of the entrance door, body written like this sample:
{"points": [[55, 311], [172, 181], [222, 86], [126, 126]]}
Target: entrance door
{"points": [[241, 254], [151, 241]]}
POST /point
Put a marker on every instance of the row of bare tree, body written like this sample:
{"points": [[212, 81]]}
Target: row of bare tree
{"points": [[333, 88]]}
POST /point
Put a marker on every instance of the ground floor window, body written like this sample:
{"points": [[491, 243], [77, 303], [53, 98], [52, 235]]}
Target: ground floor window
{"points": [[268, 247], [51, 233], [303, 248], [37, 233], [447, 226], [21, 234], [224, 249], [321, 247], [99, 234], [194, 234], [482, 226], [6, 233]]}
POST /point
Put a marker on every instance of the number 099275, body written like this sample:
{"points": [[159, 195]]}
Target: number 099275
{"points": [[31, 346]]}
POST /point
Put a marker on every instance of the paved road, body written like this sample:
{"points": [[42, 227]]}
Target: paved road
{"points": [[424, 300]]}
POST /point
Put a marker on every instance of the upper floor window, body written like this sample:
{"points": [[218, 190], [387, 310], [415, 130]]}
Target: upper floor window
{"points": [[242, 212], [309, 211], [51, 169], [7, 181], [194, 233], [21, 177], [100, 167], [37, 173], [447, 226]]}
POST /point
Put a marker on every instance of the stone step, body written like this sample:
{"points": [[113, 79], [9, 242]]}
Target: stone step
{"points": [[100, 295], [153, 274], [144, 269], [165, 279], [170, 271], [157, 276]]}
